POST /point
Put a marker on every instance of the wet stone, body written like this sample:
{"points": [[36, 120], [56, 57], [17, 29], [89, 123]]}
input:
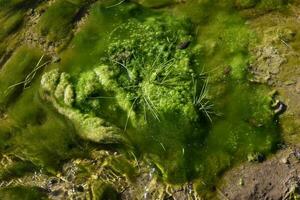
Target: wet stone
{"points": [[284, 160], [56, 59], [260, 158], [281, 108], [80, 188], [297, 153], [256, 157], [184, 45], [52, 181], [57, 193]]}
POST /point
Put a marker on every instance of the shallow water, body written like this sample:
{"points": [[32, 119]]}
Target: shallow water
{"points": [[242, 122]]}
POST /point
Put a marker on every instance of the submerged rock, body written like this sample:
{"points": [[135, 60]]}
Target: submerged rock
{"points": [[256, 157], [279, 107], [184, 45]]}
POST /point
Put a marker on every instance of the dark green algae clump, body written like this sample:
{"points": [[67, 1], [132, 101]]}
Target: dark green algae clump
{"points": [[150, 93], [25, 193]]}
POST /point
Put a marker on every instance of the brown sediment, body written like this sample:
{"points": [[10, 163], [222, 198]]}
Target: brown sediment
{"points": [[276, 63], [276, 178]]}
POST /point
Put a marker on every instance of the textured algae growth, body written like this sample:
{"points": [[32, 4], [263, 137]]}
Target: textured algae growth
{"points": [[151, 93], [146, 82], [168, 88]]}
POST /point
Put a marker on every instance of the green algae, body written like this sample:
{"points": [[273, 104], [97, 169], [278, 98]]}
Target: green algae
{"points": [[127, 74], [143, 89], [93, 37], [182, 142], [26, 193], [15, 71], [16, 170], [10, 24], [12, 14], [268, 5], [38, 133], [7, 6], [89, 127], [57, 22], [155, 3], [46, 145], [265, 5], [102, 191], [31, 130]]}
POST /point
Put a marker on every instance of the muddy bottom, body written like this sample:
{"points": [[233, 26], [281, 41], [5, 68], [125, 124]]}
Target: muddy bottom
{"points": [[276, 178]]}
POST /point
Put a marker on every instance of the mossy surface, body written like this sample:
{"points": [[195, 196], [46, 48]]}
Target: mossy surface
{"points": [[16, 193], [12, 13], [103, 191], [15, 71], [57, 22], [10, 24], [31, 130], [169, 85], [11, 5], [16, 170], [155, 3], [143, 82]]}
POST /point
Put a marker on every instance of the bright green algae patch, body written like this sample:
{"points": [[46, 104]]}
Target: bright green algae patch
{"points": [[150, 92], [92, 39]]}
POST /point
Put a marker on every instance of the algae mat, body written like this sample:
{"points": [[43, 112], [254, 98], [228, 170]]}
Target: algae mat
{"points": [[164, 83]]}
